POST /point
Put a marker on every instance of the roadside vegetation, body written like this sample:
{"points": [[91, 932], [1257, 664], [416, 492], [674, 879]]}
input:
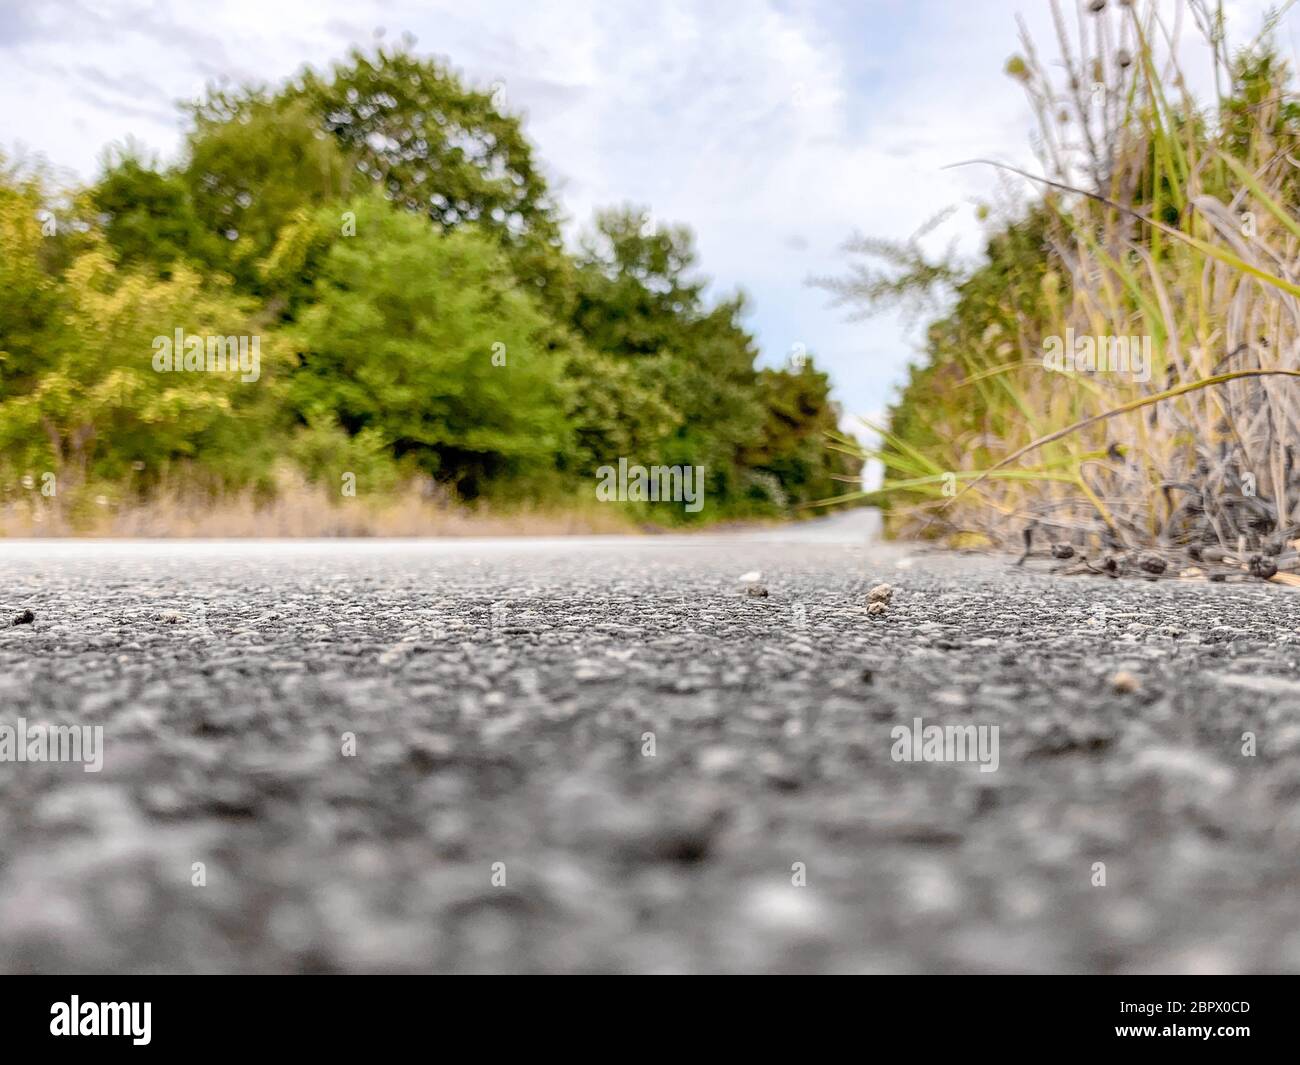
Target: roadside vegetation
{"points": [[1151, 216], [426, 340]]}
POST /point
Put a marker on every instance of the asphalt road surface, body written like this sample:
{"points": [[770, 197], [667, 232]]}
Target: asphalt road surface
{"points": [[606, 755]]}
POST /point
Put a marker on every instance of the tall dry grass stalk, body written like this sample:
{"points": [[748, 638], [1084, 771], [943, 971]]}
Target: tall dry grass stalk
{"points": [[1162, 218]]}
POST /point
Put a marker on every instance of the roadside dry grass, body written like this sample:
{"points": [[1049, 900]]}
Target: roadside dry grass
{"points": [[301, 510], [1165, 220]]}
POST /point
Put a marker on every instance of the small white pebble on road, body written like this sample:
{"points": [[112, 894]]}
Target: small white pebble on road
{"points": [[1125, 682]]}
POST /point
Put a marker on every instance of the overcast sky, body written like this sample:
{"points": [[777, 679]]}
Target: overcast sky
{"points": [[774, 128]]}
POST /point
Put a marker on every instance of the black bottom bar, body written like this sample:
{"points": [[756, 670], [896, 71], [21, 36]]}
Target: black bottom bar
{"points": [[339, 1014]]}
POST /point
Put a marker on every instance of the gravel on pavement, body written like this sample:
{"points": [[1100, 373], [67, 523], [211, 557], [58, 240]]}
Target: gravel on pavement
{"points": [[605, 755]]}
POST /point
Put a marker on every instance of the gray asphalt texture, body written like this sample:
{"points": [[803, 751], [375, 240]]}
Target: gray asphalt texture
{"points": [[502, 811]]}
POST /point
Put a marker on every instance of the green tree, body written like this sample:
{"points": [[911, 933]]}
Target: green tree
{"points": [[147, 213], [793, 453], [251, 176], [102, 415], [638, 300], [31, 305], [425, 339], [419, 134]]}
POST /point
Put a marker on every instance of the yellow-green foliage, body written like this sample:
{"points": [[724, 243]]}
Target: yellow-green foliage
{"points": [[98, 410]]}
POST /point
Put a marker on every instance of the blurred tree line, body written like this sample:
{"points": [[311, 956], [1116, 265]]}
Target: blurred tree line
{"points": [[387, 232]]}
